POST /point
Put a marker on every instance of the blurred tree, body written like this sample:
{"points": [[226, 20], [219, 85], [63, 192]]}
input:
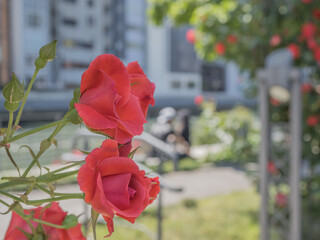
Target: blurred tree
{"points": [[246, 31]]}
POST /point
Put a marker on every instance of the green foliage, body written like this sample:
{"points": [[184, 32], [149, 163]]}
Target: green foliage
{"points": [[13, 93], [219, 217], [235, 129], [252, 22]]}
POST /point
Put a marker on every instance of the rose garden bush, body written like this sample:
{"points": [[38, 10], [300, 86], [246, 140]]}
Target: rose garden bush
{"points": [[113, 101]]}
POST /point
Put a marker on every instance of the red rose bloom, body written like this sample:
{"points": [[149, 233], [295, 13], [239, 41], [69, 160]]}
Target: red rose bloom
{"points": [[232, 39], [107, 102], [198, 99], [312, 121], [274, 102], [53, 214], [316, 13], [306, 87], [316, 54], [141, 86], [272, 169], [294, 49], [308, 30], [220, 48], [275, 40], [114, 184], [281, 200], [191, 36], [312, 44]]}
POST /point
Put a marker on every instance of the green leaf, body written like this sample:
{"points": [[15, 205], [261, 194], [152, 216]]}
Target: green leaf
{"points": [[48, 52], [74, 117], [3, 131], [45, 144], [14, 205], [131, 154], [70, 221], [40, 63], [94, 219], [55, 142], [13, 91], [28, 235], [11, 107], [32, 154]]}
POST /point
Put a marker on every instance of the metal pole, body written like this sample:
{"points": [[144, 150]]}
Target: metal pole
{"points": [[264, 154], [159, 212], [295, 154]]}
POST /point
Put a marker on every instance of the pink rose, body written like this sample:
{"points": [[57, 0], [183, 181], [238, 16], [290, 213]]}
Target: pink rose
{"points": [[53, 214], [108, 103], [114, 185]]}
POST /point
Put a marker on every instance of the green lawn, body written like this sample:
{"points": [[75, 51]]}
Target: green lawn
{"points": [[227, 217]]}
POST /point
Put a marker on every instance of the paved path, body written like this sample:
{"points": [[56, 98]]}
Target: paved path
{"points": [[197, 184]]}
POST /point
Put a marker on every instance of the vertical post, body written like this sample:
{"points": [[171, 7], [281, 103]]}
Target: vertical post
{"points": [[264, 154], [159, 212], [295, 155]]}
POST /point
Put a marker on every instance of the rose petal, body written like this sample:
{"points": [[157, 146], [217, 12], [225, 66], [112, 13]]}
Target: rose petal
{"points": [[117, 165], [115, 188], [86, 181], [109, 225], [94, 119], [125, 149], [113, 66], [134, 68], [102, 96], [99, 201], [126, 111], [137, 204]]}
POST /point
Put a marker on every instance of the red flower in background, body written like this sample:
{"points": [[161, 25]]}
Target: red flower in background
{"points": [[306, 87], [307, 1], [281, 200], [198, 99], [312, 121], [294, 49], [275, 40], [191, 36], [312, 44], [141, 86], [316, 54], [308, 30], [232, 39], [316, 13], [108, 103], [114, 185], [274, 102], [220, 48], [272, 169], [53, 214]]}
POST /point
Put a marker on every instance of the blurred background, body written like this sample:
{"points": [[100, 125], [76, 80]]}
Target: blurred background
{"points": [[204, 58]]}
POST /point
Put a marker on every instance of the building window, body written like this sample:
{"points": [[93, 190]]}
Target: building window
{"points": [[90, 3], [213, 78], [71, 65], [191, 85], [34, 20], [90, 21], [107, 8], [30, 60], [175, 84], [183, 56], [69, 22]]}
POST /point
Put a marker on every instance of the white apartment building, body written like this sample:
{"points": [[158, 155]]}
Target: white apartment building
{"points": [[30, 28], [173, 65], [83, 28], [87, 28]]}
